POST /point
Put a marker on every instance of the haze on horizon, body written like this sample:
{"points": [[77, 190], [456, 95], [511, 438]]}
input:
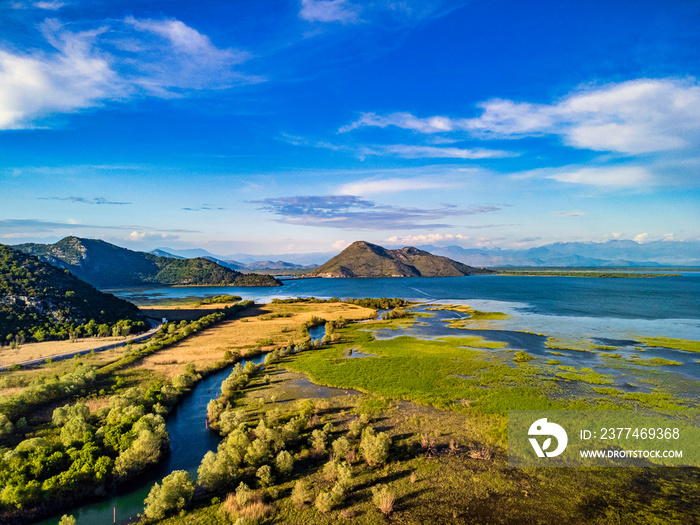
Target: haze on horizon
{"points": [[301, 126]]}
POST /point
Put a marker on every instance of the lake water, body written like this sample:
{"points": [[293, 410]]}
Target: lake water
{"points": [[655, 306]]}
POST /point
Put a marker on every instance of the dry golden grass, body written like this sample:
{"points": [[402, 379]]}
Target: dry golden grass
{"points": [[245, 333], [30, 351], [184, 312]]}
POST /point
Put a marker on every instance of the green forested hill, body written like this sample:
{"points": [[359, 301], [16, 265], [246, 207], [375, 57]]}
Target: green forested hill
{"points": [[39, 301], [105, 265], [363, 259]]}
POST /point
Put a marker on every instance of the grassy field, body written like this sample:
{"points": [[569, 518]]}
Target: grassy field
{"points": [[259, 328], [444, 467], [29, 351]]}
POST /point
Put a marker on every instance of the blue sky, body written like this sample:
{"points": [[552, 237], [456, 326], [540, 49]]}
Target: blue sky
{"points": [[300, 126]]}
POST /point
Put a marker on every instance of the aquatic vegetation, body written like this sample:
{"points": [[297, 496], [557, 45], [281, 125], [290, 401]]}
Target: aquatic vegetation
{"points": [[686, 345], [658, 400], [523, 357], [587, 375], [579, 345]]}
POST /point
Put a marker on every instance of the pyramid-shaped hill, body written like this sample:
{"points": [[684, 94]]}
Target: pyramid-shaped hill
{"points": [[363, 259]]}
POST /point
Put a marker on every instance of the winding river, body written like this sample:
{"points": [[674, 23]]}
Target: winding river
{"points": [[189, 441]]}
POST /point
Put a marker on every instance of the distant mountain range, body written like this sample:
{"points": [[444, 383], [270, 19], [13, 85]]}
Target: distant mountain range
{"points": [[236, 265], [363, 259], [39, 301], [624, 253], [620, 253], [105, 265], [249, 261]]}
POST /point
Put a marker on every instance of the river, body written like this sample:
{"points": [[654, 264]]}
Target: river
{"points": [[189, 441]]}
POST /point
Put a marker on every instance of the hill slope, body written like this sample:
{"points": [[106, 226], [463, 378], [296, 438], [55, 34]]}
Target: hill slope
{"points": [[362, 259], [103, 264], [39, 301]]}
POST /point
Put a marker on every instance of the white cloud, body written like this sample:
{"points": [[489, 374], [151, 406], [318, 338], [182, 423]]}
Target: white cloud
{"points": [[328, 11], [147, 236], [52, 6], [433, 152], [571, 213], [402, 120], [341, 245], [641, 238], [110, 63], [393, 185], [428, 238], [77, 76], [637, 116], [623, 176]]}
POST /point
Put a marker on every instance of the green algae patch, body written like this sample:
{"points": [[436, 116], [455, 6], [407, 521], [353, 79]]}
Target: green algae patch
{"points": [[657, 400], [578, 345], [474, 341], [587, 375], [687, 345], [523, 357]]}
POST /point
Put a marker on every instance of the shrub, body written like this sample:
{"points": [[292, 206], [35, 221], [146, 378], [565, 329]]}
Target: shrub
{"points": [[301, 493], [173, 494], [374, 447], [284, 462], [264, 474], [383, 499], [355, 428], [324, 502], [341, 447], [318, 441], [67, 520], [344, 472], [338, 493]]}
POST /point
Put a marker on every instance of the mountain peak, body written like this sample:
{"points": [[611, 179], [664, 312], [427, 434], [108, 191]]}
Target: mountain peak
{"points": [[364, 259]]}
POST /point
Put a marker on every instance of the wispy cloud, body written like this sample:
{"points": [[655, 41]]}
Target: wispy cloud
{"points": [[150, 236], [428, 238], [619, 176], [354, 213], [405, 121], [113, 62], [637, 116], [611, 177], [52, 6], [394, 185], [23, 227], [407, 151], [570, 213], [329, 11], [204, 207], [85, 200]]}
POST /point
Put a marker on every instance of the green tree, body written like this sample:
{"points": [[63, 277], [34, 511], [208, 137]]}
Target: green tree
{"points": [[374, 447], [284, 462], [172, 495]]}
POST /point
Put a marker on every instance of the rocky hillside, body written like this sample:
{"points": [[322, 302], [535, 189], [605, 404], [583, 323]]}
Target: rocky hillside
{"points": [[362, 259], [105, 265], [39, 301]]}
